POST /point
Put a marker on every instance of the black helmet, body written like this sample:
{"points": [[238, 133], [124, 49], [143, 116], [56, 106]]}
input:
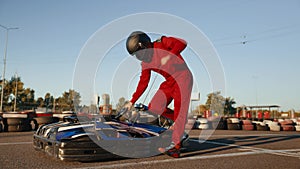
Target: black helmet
{"points": [[137, 40]]}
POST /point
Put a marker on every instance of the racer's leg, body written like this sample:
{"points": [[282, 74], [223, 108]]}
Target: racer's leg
{"points": [[181, 95], [160, 101]]}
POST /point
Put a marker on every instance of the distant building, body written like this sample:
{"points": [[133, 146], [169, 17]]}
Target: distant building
{"points": [[105, 107]]}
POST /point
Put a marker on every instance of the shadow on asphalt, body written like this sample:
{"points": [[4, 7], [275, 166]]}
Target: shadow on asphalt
{"points": [[196, 148]]}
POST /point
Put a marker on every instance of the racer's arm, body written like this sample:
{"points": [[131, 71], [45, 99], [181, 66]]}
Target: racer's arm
{"points": [[142, 85], [174, 45]]}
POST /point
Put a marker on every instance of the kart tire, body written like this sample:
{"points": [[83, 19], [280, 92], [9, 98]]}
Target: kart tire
{"points": [[16, 121], [203, 126], [233, 121], [262, 127], [247, 122], [233, 126], [44, 120], [34, 125], [288, 128], [219, 125], [287, 122], [1, 127], [248, 127], [297, 128], [202, 120], [274, 128], [15, 128]]}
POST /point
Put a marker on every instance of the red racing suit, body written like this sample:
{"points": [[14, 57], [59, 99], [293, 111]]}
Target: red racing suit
{"points": [[177, 85]]}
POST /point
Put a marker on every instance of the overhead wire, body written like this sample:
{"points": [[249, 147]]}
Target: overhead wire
{"points": [[245, 38]]}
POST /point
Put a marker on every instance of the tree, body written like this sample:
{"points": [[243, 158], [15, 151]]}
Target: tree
{"points": [[14, 92], [228, 108], [40, 102], [215, 103], [68, 100], [25, 98]]}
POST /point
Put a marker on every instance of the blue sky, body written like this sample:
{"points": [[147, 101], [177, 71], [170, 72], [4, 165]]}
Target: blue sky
{"points": [[264, 70]]}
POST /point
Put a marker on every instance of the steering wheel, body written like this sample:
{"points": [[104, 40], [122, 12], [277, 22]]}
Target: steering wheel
{"points": [[121, 113]]}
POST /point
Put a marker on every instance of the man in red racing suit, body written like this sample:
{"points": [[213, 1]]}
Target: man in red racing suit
{"points": [[163, 57]]}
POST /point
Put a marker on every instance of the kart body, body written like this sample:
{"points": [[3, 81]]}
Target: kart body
{"points": [[100, 139]]}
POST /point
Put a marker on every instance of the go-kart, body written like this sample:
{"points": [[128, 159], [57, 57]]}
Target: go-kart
{"points": [[105, 137]]}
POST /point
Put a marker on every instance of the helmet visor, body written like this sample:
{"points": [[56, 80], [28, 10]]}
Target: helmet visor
{"points": [[143, 53]]}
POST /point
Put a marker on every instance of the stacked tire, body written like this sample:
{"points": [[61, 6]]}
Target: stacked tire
{"points": [[273, 125], [60, 117], [202, 123], [261, 126], [1, 125], [44, 118], [191, 124], [233, 124], [219, 124], [247, 125], [297, 127], [287, 125], [16, 122]]}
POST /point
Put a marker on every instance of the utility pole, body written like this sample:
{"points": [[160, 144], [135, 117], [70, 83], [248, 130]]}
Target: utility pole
{"points": [[4, 64], [16, 92]]}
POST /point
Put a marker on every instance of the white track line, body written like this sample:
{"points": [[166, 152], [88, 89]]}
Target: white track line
{"points": [[263, 150], [135, 164], [252, 151], [243, 135], [14, 143]]}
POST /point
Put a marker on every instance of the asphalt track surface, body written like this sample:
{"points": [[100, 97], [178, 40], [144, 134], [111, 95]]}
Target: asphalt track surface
{"points": [[223, 149]]}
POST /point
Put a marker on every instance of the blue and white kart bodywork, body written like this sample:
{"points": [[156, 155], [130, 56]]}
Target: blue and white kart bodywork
{"points": [[100, 139]]}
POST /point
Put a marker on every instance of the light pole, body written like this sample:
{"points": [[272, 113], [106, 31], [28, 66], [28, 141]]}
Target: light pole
{"points": [[4, 63], [16, 92]]}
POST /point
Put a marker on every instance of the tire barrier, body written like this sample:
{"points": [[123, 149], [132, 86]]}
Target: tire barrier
{"points": [[261, 126], [61, 116], [286, 122], [203, 123], [44, 118], [233, 124], [219, 125], [34, 125], [274, 126], [19, 128], [1, 127], [287, 125], [297, 128], [191, 124], [247, 125], [16, 122], [233, 121]]}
